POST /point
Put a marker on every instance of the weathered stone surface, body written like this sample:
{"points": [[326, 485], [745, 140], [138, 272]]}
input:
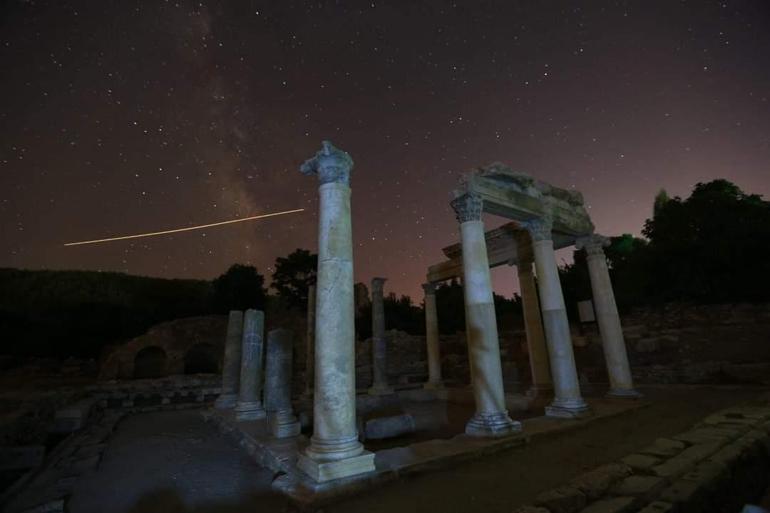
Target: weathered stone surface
{"points": [[596, 482], [701, 436], [565, 499], [645, 487], [640, 462], [683, 491], [611, 505], [664, 448], [680, 464], [657, 507], [388, 427]]}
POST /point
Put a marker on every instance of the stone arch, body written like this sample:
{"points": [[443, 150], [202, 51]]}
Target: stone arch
{"points": [[201, 359], [150, 362]]}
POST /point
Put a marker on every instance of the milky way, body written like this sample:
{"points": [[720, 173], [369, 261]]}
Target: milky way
{"points": [[117, 115]]}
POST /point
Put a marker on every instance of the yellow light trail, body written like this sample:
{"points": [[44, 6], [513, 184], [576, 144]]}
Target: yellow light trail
{"points": [[187, 229]]}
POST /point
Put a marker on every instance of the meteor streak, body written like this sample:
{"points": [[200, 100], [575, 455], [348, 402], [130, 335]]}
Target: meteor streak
{"points": [[187, 229]]}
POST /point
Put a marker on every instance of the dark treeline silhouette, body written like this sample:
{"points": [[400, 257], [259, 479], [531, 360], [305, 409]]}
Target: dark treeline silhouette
{"points": [[712, 247]]}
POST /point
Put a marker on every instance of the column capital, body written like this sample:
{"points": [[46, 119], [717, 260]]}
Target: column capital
{"points": [[467, 207], [593, 244], [429, 289], [330, 164], [539, 228], [378, 283]]}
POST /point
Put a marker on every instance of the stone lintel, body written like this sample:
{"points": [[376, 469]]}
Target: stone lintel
{"points": [[322, 471]]}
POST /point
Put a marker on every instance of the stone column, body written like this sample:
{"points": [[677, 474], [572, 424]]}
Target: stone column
{"points": [[334, 450], [249, 406], [379, 345], [533, 326], [231, 366], [431, 338], [491, 417], [567, 400], [621, 383], [310, 342], [283, 423]]}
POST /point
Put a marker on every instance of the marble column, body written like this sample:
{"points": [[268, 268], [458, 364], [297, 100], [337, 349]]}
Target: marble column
{"points": [[379, 344], [280, 416], [231, 366], [249, 406], [491, 417], [618, 369], [431, 338], [567, 401], [533, 326], [310, 342], [334, 451]]}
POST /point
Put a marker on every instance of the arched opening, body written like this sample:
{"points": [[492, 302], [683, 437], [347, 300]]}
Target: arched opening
{"points": [[150, 362], [201, 359]]}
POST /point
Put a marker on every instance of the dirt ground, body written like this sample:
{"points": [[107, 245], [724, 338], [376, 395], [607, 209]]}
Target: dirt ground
{"points": [[173, 462]]}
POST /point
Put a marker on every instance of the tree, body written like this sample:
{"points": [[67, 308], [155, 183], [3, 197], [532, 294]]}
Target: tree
{"points": [[240, 288], [293, 275]]}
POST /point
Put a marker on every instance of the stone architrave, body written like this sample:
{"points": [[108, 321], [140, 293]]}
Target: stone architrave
{"points": [[431, 338], [533, 326], [231, 366], [491, 417], [334, 451], [615, 355], [379, 343], [567, 401], [310, 342], [280, 416], [249, 406]]}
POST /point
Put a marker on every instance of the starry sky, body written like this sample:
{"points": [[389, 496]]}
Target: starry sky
{"points": [[122, 117]]}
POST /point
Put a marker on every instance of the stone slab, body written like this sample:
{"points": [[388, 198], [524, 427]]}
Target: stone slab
{"points": [[640, 462], [323, 471], [645, 487], [611, 505], [565, 499]]}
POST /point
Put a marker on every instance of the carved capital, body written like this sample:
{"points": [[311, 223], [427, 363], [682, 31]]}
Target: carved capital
{"points": [[378, 284], [593, 244], [429, 288], [330, 164], [468, 207], [539, 228]]}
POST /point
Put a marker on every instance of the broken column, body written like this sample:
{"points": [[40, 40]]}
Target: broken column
{"points": [[615, 355], [567, 401], [280, 416], [379, 346], [491, 417], [231, 366], [310, 342], [334, 450], [533, 323], [249, 406], [431, 338]]}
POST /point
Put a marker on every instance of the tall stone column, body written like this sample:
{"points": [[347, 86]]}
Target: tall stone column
{"points": [[280, 416], [431, 338], [379, 344], [334, 450], [618, 369], [310, 342], [249, 406], [533, 326], [567, 400], [231, 366], [491, 417]]}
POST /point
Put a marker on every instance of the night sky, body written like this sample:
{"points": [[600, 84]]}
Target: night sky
{"points": [[122, 117]]}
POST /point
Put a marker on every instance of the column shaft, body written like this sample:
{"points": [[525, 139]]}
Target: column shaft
{"points": [[379, 349], [310, 341], [231, 366], [283, 423], [568, 401], [431, 338], [533, 325], [608, 319], [249, 406]]}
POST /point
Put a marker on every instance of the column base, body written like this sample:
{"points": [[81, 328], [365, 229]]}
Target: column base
{"points": [[251, 410], [568, 409], [437, 385], [492, 424], [226, 401], [624, 393], [322, 471], [380, 390], [284, 424]]}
